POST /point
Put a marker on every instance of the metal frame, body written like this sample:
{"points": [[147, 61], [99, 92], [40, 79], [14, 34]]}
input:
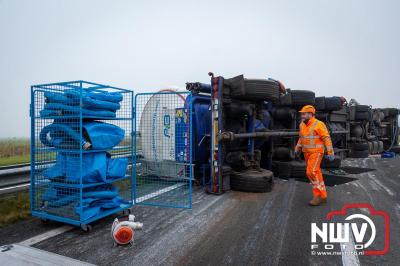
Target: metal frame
{"points": [[37, 120], [138, 108]]}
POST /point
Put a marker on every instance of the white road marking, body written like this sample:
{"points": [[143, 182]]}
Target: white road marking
{"points": [[374, 185], [384, 187], [16, 255], [398, 210], [18, 186], [46, 235], [158, 192], [349, 258], [57, 231]]}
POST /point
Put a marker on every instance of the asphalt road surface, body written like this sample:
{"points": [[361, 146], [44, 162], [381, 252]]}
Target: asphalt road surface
{"points": [[235, 228]]}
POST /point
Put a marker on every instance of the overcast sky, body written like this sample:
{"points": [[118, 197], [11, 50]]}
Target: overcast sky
{"points": [[349, 48]]}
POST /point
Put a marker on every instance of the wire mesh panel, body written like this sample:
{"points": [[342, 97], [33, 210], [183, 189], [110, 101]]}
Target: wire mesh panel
{"points": [[163, 148], [81, 151]]}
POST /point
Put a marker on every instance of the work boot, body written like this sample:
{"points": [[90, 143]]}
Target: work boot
{"points": [[316, 201]]}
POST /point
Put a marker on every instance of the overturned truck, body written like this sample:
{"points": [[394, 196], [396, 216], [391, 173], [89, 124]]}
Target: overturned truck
{"points": [[245, 131]]}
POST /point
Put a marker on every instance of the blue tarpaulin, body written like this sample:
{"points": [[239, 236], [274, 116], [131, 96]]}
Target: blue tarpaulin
{"points": [[76, 101], [96, 166], [64, 135], [94, 199]]}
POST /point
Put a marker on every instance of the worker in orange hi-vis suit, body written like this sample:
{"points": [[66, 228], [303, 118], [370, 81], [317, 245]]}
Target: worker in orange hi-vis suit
{"points": [[313, 139]]}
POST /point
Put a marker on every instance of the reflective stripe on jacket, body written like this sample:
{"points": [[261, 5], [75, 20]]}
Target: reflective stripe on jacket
{"points": [[313, 136]]}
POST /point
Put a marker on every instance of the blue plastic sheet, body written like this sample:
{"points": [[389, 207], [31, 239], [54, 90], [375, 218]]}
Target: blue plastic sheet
{"points": [[60, 135], [60, 109], [64, 136], [75, 101], [94, 199], [89, 167], [96, 167], [103, 135]]}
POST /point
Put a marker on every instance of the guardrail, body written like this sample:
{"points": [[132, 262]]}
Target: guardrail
{"points": [[17, 177]]}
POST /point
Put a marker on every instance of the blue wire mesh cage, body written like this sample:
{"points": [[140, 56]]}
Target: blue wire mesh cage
{"points": [[81, 151], [164, 171]]}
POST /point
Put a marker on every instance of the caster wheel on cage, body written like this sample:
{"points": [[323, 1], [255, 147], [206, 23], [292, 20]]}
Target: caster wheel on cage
{"points": [[86, 228], [44, 221], [127, 212]]}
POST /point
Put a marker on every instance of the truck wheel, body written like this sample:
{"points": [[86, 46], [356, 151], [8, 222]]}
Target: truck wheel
{"points": [[282, 154], [252, 180], [320, 103], [281, 169], [283, 114], [298, 169], [285, 100], [302, 97], [333, 103], [258, 89]]}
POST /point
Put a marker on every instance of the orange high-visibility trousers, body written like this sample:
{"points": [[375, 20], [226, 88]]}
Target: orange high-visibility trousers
{"points": [[314, 173]]}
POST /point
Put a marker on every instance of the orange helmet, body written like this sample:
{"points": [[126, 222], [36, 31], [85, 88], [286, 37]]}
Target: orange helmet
{"points": [[308, 109]]}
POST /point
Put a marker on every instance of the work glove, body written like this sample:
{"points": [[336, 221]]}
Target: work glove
{"points": [[297, 153], [330, 157]]}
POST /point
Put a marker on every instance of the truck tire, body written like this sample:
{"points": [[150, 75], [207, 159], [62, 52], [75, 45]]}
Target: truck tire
{"points": [[285, 100], [302, 97], [333, 103], [252, 89], [360, 146], [298, 169], [282, 154], [320, 103], [282, 169], [252, 180], [283, 114], [362, 115], [362, 108], [258, 89]]}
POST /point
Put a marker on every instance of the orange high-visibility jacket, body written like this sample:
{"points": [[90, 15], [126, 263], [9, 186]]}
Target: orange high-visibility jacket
{"points": [[313, 136]]}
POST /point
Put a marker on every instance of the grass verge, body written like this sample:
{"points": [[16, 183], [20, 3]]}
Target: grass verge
{"points": [[14, 207], [14, 151], [4, 161]]}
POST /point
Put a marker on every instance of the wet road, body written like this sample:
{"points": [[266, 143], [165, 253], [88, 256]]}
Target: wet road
{"points": [[235, 228]]}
